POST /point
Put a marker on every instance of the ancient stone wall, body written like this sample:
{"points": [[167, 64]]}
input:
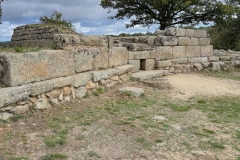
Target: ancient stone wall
{"points": [[37, 35], [49, 77]]}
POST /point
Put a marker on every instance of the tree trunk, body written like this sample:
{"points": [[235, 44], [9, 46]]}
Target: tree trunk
{"points": [[162, 26]]}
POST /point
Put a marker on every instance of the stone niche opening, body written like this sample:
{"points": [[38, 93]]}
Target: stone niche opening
{"points": [[142, 64], [147, 64]]}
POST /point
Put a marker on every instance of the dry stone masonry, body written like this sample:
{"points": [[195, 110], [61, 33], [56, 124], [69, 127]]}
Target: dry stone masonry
{"points": [[50, 77]]}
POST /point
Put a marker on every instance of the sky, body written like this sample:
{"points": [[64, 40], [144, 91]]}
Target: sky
{"points": [[87, 16]]}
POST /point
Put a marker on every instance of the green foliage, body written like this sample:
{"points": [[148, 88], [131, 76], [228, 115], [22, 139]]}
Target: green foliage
{"points": [[55, 156], [56, 19], [1, 10], [162, 12]]}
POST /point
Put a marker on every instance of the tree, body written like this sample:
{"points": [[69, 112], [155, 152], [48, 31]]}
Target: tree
{"points": [[163, 12], [225, 33], [56, 19], [1, 11]]}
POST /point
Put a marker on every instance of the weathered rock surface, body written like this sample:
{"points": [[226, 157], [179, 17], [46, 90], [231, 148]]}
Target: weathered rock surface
{"points": [[136, 92]]}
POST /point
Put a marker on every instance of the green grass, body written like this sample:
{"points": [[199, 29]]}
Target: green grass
{"points": [[143, 142], [20, 158], [178, 108], [232, 73], [217, 145], [98, 91], [93, 154], [222, 109], [55, 156], [59, 138]]}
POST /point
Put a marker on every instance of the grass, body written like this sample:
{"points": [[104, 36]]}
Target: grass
{"points": [[55, 156], [143, 142], [98, 91], [20, 158], [59, 138], [217, 145], [93, 154], [232, 73], [221, 109], [22, 49]]}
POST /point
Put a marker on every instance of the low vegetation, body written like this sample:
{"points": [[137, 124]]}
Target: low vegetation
{"points": [[133, 125]]}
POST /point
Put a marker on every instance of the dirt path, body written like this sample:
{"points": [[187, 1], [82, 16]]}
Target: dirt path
{"points": [[185, 123], [186, 86]]}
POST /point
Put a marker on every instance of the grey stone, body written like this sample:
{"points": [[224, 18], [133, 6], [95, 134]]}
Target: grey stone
{"points": [[153, 54], [194, 41], [100, 59], [21, 109], [13, 94], [225, 58], [67, 99], [136, 64], [142, 75], [179, 69], [5, 115], [53, 93], [118, 56], [187, 68], [193, 51], [60, 63], [61, 82], [180, 60], [81, 92], [60, 97], [41, 87], [206, 51], [80, 79], [98, 75], [148, 64], [36, 66], [198, 66], [237, 63], [159, 83], [169, 40], [184, 41], [142, 55], [204, 41], [112, 72], [42, 103], [180, 32], [224, 66], [136, 92], [215, 66], [163, 64], [131, 55], [124, 69], [179, 52], [195, 60], [170, 31], [54, 101], [214, 59], [200, 33], [83, 60], [164, 53], [91, 41], [189, 32]]}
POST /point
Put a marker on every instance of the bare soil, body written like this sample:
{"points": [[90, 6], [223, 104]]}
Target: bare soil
{"points": [[175, 124]]}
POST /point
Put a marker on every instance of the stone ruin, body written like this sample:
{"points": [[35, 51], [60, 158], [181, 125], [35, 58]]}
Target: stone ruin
{"points": [[50, 77]]}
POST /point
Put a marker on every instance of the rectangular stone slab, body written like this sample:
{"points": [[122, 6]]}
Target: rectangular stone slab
{"points": [[22, 68]]}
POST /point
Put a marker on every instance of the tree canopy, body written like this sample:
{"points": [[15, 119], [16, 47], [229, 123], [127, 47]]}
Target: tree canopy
{"points": [[1, 11], [163, 12], [56, 19]]}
